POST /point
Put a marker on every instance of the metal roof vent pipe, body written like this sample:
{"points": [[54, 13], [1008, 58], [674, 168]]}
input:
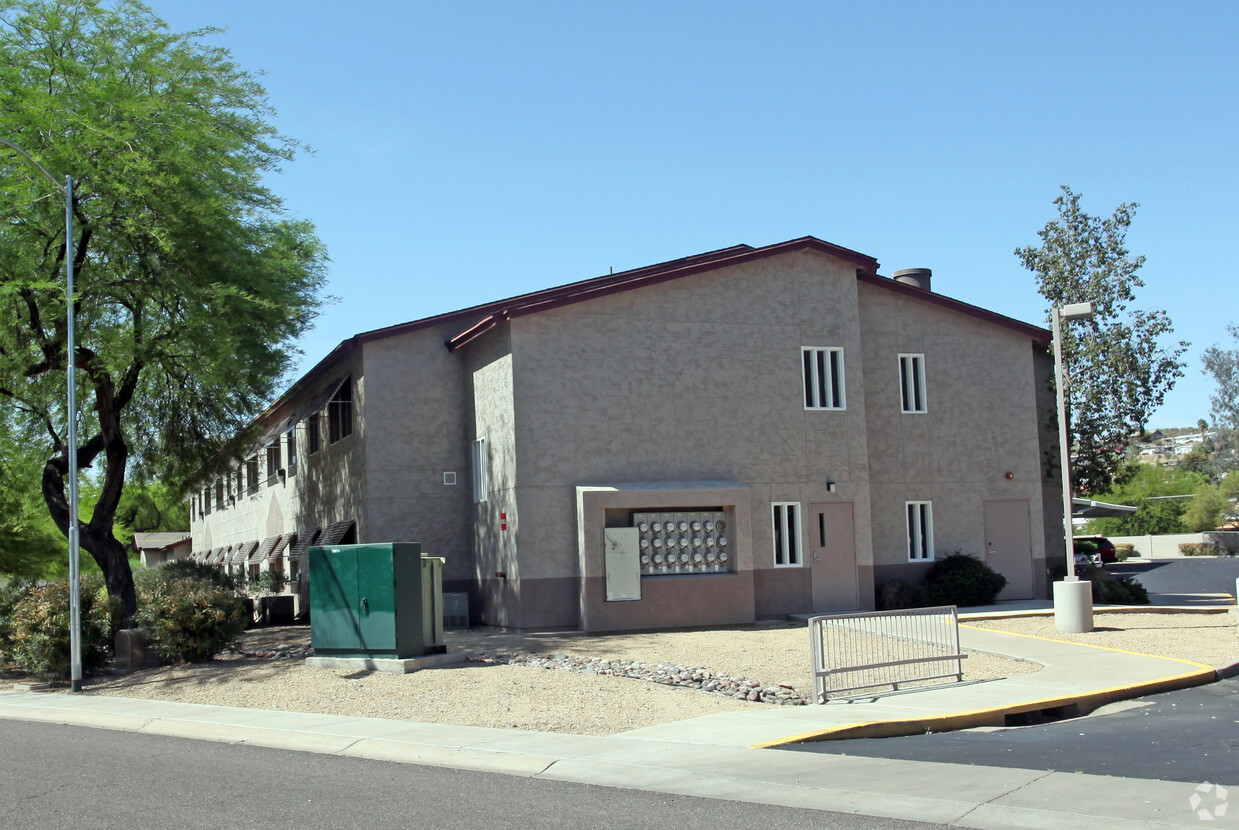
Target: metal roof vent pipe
{"points": [[915, 277]]}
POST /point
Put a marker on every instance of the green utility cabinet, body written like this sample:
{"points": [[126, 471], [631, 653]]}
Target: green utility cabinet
{"points": [[379, 600]]}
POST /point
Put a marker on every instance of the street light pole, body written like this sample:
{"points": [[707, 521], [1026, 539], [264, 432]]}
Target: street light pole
{"points": [[75, 605], [1073, 599]]}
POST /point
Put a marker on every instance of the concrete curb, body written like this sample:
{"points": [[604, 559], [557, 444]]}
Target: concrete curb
{"points": [[1077, 704]]}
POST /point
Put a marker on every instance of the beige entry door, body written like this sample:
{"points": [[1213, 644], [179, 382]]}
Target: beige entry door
{"points": [[1008, 546], [832, 556]]}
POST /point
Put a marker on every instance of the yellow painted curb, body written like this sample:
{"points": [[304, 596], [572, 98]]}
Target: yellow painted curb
{"points": [[995, 716]]}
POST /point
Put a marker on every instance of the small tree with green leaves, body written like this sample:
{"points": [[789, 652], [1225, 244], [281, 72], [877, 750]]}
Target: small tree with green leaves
{"points": [[191, 285], [1119, 370]]}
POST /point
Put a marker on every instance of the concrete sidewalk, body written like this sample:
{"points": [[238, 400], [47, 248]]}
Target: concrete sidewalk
{"points": [[717, 756]]}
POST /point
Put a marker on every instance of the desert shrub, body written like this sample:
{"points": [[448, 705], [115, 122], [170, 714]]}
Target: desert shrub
{"points": [[960, 579], [188, 617], [187, 568], [12, 591], [1107, 590], [269, 582], [900, 593], [1124, 552], [1201, 549], [38, 628]]}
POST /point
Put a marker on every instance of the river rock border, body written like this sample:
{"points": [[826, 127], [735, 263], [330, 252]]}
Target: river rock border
{"points": [[666, 674]]}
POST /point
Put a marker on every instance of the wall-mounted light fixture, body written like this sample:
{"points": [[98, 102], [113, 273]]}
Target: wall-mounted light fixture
{"points": [[830, 485]]}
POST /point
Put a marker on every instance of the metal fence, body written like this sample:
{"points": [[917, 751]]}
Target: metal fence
{"points": [[856, 652]]}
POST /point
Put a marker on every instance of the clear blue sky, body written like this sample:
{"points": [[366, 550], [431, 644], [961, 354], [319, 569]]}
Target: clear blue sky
{"points": [[466, 152]]}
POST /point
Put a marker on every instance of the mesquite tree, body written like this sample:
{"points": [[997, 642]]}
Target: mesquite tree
{"points": [[1118, 369], [191, 283]]}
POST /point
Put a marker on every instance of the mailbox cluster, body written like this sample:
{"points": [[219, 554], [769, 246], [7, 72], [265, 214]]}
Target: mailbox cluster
{"points": [[682, 542]]}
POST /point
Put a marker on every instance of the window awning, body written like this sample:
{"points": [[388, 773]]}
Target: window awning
{"points": [[305, 539], [261, 552], [241, 553], [335, 532], [281, 544]]}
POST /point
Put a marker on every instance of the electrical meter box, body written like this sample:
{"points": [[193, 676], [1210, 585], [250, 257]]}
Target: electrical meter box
{"points": [[622, 563], [378, 600]]}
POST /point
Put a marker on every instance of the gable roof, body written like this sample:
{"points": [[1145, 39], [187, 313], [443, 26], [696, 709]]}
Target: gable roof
{"points": [[480, 319]]}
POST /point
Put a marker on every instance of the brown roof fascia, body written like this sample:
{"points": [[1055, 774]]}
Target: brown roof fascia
{"points": [[605, 286], [494, 313], [1039, 335]]}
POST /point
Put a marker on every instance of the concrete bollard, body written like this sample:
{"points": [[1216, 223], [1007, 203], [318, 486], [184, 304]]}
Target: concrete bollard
{"points": [[1073, 606]]}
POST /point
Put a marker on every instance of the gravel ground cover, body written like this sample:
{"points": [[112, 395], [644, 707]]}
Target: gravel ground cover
{"points": [[496, 694], [1211, 638], [555, 699]]}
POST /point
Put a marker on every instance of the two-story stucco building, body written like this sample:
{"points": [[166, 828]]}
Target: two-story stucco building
{"points": [[747, 433]]}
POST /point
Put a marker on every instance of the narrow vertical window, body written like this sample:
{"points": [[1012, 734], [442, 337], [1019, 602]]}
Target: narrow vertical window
{"points": [[920, 530], [786, 533], [912, 382], [481, 483], [290, 440], [340, 412], [251, 475], [273, 461], [823, 377], [311, 433]]}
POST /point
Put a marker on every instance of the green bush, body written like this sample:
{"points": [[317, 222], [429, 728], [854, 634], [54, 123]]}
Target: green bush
{"points": [[1107, 590], [12, 591], [269, 582], [38, 629], [963, 580], [1201, 549], [188, 617], [1124, 552], [187, 568], [900, 593]]}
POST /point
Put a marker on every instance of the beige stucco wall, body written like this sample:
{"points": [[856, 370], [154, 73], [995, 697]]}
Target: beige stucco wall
{"points": [[416, 433], [698, 379], [981, 424], [327, 487]]}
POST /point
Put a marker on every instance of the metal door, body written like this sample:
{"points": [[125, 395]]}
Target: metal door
{"points": [[832, 553], [376, 602], [333, 599], [1008, 546]]}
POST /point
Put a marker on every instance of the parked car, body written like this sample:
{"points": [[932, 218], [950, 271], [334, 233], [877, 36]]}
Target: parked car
{"points": [[1098, 549]]}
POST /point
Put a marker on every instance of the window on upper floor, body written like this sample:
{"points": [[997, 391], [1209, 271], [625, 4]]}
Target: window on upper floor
{"points": [[481, 474], [920, 530], [251, 475], [206, 501], [290, 442], [340, 412], [219, 494], [312, 438], [823, 377], [786, 527], [273, 461], [912, 382]]}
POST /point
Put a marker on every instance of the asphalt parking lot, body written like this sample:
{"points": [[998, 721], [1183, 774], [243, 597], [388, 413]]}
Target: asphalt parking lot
{"points": [[1190, 735]]}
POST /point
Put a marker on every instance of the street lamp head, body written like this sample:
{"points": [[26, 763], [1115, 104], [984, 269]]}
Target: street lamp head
{"points": [[1076, 311]]}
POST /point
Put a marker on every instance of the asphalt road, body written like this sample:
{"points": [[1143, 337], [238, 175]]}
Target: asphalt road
{"points": [[1183, 576], [1190, 735], [66, 776]]}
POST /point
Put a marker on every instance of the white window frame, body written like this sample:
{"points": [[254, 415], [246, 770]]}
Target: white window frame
{"points": [[912, 384], [919, 519], [823, 377], [786, 539], [481, 472]]}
